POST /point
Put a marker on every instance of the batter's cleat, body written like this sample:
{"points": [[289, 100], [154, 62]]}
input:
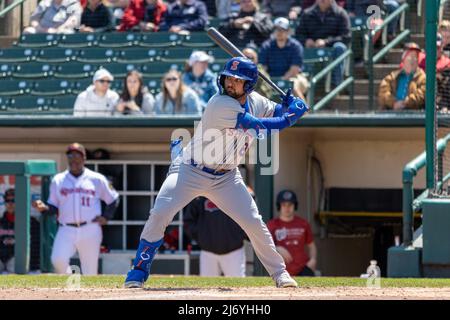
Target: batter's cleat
{"points": [[140, 272], [284, 280]]}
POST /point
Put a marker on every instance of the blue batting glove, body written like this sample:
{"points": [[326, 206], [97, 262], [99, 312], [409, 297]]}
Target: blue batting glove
{"points": [[296, 110], [287, 99]]}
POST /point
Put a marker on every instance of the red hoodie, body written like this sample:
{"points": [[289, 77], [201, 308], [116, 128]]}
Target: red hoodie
{"points": [[135, 13]]}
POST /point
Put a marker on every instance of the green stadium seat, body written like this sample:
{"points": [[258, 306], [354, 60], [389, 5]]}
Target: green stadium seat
{"points": [[38, 40], [160, 40], [216, 67], [358, 23], [78, 40], [176, 55], [74, 70], [6, 70], [63, 104], [33, 70], [14, 87], [97, 55], [138, 55], [118, 39], [282, 84], [198, 40], [117, 85], [316, 55], [79, 85], [52, 87], [158, 69], [214, 22], [219, 55], [55, 55], [153, 84], [17, 55], [120, 70], [29, 104], [4, 103]]}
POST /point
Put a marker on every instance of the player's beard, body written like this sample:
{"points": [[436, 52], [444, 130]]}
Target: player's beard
{"points": [[232, 93]]}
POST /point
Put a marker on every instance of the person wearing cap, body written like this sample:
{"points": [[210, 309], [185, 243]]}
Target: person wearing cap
{"points": [[184, 16], [282, 56], [75, 198], [98, 99], [293, 237], [199, 77], [220, 239], [404, 88], [249, 25], [326, 25]]}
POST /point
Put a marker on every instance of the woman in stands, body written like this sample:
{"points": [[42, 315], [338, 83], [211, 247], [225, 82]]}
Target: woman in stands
{"points": [[135, 98], [175, 97]]}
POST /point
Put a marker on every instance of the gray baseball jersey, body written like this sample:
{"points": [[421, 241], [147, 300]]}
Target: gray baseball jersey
{"points": [[227, 191]]}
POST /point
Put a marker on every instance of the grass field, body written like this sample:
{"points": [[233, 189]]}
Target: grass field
{"points": [[194, 287]]}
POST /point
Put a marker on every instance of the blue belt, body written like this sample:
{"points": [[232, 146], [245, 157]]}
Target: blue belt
{"points": [[208, 170]]}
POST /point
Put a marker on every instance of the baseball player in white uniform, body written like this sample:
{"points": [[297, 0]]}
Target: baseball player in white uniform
{"points": [[207, 167], [75, 197]]}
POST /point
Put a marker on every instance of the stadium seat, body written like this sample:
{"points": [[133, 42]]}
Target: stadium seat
{"points": [[74, 70], [176, 55], [33, 70], [52, 87], [358, 23], [97, 55], [316, 55], [282, 84], [17, 55], [63, 104], [216, 67], [38, 40], [160, 40], [138, 55], [117, 85], [55, 55], [4, 103], [158, 69], [6, 70], [29, 104], [120, 70], [219, 55], [14, 87], [198, 40], [78, 40], [79, 85], [214, 22], [118, 39], [153, 84]]}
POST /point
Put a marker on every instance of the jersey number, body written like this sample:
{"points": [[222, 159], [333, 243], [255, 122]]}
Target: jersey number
{"points": [[85, 201]]}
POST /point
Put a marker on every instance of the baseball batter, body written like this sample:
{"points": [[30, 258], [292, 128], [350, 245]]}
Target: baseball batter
{"points": [[75, 197], [208, 167]]}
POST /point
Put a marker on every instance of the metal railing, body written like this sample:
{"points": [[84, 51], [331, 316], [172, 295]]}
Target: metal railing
{"points": [[346, 57], [11, 7], [411, 205], [369, 52]]}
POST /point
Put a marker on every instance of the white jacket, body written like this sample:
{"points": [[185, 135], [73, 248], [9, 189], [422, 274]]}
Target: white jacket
{"points": [[88, 104]]}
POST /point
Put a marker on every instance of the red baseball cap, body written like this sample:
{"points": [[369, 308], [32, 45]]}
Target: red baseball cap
{"points": [[78, 147]]}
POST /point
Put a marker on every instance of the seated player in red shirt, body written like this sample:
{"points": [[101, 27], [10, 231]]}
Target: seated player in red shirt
{"points": [[293, 237]]}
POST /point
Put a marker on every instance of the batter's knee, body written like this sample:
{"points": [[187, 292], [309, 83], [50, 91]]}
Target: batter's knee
{"points": [[60, 264]]}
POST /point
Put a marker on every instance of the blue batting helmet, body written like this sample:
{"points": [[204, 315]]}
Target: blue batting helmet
{"points": [[240, 68]]}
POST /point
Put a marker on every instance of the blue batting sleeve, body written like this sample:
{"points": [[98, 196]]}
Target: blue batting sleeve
{"points": [[278, 123], [278, 111]]}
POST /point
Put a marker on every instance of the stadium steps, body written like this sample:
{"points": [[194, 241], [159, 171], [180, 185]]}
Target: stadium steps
{"points": [[341, 103], [419, 39]]}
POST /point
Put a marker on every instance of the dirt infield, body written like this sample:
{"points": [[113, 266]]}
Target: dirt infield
{"points": [[261, 293]]}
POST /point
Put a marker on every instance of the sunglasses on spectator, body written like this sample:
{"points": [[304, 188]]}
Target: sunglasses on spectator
{"points": [[171, 79], [104, 81], [74, 156], [9, 201]]}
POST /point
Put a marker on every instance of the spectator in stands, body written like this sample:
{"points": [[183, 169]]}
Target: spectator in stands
{"points": [[282, 56], [226, 8], [98, 99], [144, 15], [199, 77], [96, 17], [175, 97], [184, 16], [117, 9], [135, 98], [442, 62], [444, 30], [261, 86], [443, 91], [249, 26], [404, 88], [293, 237], [220, 239], [55, 16], [7, 239], [326, 25], [282, 8]]}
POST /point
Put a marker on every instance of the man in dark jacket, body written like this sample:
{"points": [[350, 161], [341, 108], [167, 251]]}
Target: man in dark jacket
{"points": [[249, 26], [326, 25], [185, 15], [220, 239]]}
